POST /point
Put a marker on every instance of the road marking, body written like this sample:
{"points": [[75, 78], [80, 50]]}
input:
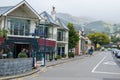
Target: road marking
{"points": [[19, 79], [110, 63], [44, 69], [102, 72], [34, 75], [98, 64], [106, 72]]}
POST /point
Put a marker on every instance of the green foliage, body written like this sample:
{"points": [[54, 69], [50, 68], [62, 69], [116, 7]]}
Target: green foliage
{"points": [[3, 33], [100, 38], [70, 54], [22, 55], [114, 39], [73, 36], [58, 57]]}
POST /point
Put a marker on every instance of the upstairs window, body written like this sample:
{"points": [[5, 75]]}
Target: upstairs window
{"points": [[19, 26]]}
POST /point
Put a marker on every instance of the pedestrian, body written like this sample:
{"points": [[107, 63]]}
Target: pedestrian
{"points": [[88, 50], [91, 50]]}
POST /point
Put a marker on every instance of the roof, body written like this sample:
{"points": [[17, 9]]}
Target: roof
{"points": [[49, 18], [5, 9], [62, 24]]}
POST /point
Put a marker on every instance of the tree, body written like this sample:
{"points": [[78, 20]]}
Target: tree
{"points": [[73, 37], [114, 39], [99, 38]]}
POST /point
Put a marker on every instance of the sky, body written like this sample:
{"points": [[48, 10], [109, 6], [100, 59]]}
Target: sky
{"points": [[106, 10]]}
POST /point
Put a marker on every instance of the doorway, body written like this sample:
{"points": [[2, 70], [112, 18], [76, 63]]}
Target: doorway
{"points": [[19, 47]]}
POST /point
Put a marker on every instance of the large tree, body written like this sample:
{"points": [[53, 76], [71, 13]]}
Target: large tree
{"points": [[99, 38], [73, 36]]}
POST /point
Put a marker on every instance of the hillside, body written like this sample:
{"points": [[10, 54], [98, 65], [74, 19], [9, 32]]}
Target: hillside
{"points": [[89, 24]]}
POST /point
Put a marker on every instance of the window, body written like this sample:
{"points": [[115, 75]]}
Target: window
{"points": [[41, 30], [60, 35], [19, 26]]}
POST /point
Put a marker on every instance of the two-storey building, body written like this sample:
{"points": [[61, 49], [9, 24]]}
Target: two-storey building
{"points": [[32, 31]]}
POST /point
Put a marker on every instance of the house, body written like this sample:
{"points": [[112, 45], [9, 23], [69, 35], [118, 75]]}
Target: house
{"points": [[32, 31], [20, 21], [57, 32], [83, 44]]}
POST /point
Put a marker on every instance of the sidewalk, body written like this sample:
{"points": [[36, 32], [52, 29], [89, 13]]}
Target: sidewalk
{"points": [[48, 64]]}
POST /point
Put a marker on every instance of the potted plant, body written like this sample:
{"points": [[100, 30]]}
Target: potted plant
{"points": [[50, 59], [56, 58], [65, 55], [22, 54]]}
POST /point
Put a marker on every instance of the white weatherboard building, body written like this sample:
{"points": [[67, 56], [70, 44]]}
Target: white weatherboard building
{"points": [[22, 21]]}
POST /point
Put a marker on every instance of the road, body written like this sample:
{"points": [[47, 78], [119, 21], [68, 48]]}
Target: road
{"points": [[101, 66]]}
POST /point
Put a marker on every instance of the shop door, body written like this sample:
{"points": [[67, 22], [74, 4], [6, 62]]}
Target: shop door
{"points": [[19, 47]]}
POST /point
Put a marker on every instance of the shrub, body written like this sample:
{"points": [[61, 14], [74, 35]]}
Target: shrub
{"points": [[70, 54], [64, 55], [22, 55], [58, 57], [55, 58]]}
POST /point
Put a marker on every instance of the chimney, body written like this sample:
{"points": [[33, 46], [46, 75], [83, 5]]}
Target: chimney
{"points": [[53, 13]]}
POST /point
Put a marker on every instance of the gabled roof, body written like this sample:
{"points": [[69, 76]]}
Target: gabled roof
{"points": [[62, 24], [6, 10], [49, 18]]}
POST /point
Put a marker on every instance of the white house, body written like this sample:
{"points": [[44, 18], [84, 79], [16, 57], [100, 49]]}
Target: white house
{"points": [[22, 21]]}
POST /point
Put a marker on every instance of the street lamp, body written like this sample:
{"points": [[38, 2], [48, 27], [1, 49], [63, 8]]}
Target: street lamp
{"points": [[34, 51], [44, 35]]}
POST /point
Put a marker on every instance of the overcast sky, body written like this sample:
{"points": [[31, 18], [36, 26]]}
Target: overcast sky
{"points": [[108, 10]]}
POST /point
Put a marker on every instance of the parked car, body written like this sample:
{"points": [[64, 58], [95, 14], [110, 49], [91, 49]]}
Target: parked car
{"points": [[115, 51], [117, 54]]}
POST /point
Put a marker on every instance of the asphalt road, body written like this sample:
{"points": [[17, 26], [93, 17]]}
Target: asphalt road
{"points": [[101, 66]]}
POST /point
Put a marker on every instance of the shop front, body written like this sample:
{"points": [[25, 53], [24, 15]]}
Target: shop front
{"points": [[49, 51], [17, 44]]}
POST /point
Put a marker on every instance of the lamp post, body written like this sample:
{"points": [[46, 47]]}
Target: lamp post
{"points": [[45, 43], [44, 51], [34, 51]]}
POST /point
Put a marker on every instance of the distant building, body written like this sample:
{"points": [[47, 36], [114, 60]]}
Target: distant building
{"points": [[83, 44]]}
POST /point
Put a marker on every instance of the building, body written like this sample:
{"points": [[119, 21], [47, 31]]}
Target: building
{"points": [[20, 21], [32, 31], [83, 44], [57, 32]]}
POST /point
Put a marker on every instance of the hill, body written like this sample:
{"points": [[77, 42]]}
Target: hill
{"points": [[89, 24]]}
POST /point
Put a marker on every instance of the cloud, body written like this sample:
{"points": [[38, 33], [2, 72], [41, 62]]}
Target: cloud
{"points": [[99, 9]]}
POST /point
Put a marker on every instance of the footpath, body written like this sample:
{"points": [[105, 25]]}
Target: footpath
{"points": [[48, 64]]}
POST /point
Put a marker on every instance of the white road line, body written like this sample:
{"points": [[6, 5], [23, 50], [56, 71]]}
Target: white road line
{"points": [[98, 65], [106, 72]]}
